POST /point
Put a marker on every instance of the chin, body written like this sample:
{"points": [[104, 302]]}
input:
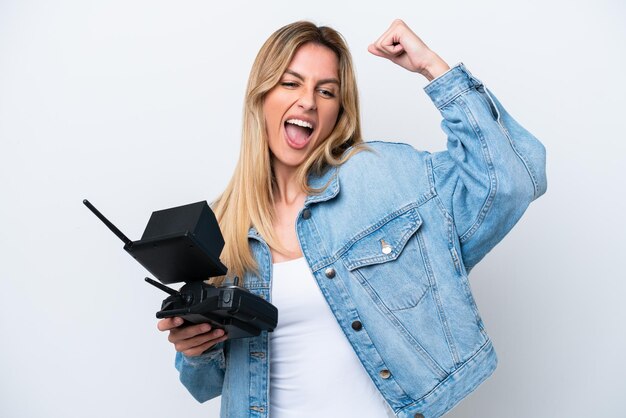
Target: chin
{"points": [[287, 159]]}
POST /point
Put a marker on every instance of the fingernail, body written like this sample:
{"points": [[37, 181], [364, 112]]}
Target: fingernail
{"points": [[178, 321]]}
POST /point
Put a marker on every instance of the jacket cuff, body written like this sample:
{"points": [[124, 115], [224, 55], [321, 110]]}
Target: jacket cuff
{"points": [[451, 84], [208, 356]]}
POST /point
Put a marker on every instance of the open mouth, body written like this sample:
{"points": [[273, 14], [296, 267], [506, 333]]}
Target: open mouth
{"points": [[298, 132]]}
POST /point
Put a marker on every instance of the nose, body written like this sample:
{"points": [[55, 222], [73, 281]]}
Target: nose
{"points": [[307, 99]]}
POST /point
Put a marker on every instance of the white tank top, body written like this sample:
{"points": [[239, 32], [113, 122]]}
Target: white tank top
{"points": [[314, 371]]}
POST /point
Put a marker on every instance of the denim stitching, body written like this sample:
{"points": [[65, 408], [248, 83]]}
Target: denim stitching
{"points": [[490, 171], [434, 366], [440, 310]]}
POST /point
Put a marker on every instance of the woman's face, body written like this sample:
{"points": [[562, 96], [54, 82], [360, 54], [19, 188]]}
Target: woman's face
{"points": [[302, 109]]}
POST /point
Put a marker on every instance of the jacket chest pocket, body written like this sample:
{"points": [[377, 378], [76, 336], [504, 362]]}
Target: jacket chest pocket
{"points": [[387, 259]]}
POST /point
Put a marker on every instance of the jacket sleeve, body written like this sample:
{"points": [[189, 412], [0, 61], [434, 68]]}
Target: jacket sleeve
{"points": [[203, 375], [492, 169]]}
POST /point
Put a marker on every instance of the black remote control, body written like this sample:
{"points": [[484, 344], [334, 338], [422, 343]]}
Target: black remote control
{"points": [[183, 244]]}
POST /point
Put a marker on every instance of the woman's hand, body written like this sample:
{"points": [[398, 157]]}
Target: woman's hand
{"points": [[191, 340], [400, 45]]}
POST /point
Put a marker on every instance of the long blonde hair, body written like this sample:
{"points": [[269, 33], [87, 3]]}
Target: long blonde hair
{"points": [[248, 198]]}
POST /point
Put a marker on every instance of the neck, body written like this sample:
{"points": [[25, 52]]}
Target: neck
{"points": [[288, 191]]}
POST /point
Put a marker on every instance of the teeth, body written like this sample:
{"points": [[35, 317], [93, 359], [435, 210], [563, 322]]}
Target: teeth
{"points": [[299, 122]]}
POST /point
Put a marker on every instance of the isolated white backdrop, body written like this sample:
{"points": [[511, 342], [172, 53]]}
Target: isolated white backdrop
{"points": [[136, 105]]}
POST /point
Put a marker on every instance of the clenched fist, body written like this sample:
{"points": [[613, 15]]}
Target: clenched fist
{"points": [[400, 45]]}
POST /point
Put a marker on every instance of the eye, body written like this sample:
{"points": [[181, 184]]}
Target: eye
{"points": [[326, 93], [289, 84]]}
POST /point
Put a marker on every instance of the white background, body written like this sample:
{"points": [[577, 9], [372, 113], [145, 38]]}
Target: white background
{"points": [[136, 105]]}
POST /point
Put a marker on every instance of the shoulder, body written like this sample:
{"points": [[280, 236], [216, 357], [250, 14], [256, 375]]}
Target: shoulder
{"points": [[385, 154], [386, 167], [389, 147]]}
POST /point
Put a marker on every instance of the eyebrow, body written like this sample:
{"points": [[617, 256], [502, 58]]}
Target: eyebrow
{"points": [[323, 81]]}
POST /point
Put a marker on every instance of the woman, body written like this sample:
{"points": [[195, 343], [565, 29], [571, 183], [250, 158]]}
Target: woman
{"points": [[364, 249]]}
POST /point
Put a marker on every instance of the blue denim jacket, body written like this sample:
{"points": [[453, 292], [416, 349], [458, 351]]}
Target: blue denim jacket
{"points": [[390, 242]]}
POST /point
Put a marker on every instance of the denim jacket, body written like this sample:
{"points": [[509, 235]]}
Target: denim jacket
{"points": [[390, 242]]}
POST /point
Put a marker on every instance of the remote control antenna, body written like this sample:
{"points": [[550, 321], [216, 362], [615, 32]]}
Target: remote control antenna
{"points": [[108, 223], [162, 287]]}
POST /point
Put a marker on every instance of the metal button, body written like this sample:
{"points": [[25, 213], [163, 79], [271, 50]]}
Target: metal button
{"points": [[357, 325], [385, 374], [329, 272], [306, 214], [385, 248], [418, 416]]}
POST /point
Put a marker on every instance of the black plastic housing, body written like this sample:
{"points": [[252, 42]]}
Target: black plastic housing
{"points": [[181, 244], [233, 308]]}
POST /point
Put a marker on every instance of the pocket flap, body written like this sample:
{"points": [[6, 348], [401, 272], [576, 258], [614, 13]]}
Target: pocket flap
{"points": [[384, 240]]}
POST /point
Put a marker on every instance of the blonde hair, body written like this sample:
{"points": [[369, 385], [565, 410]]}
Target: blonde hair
{"points": [[248, 199]]}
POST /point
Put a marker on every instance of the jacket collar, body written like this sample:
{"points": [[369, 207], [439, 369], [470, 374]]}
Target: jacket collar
{"points": [[330, 179]]}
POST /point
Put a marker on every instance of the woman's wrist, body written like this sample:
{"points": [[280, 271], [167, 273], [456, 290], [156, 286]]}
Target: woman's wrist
{"points": [[435, 67]]}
